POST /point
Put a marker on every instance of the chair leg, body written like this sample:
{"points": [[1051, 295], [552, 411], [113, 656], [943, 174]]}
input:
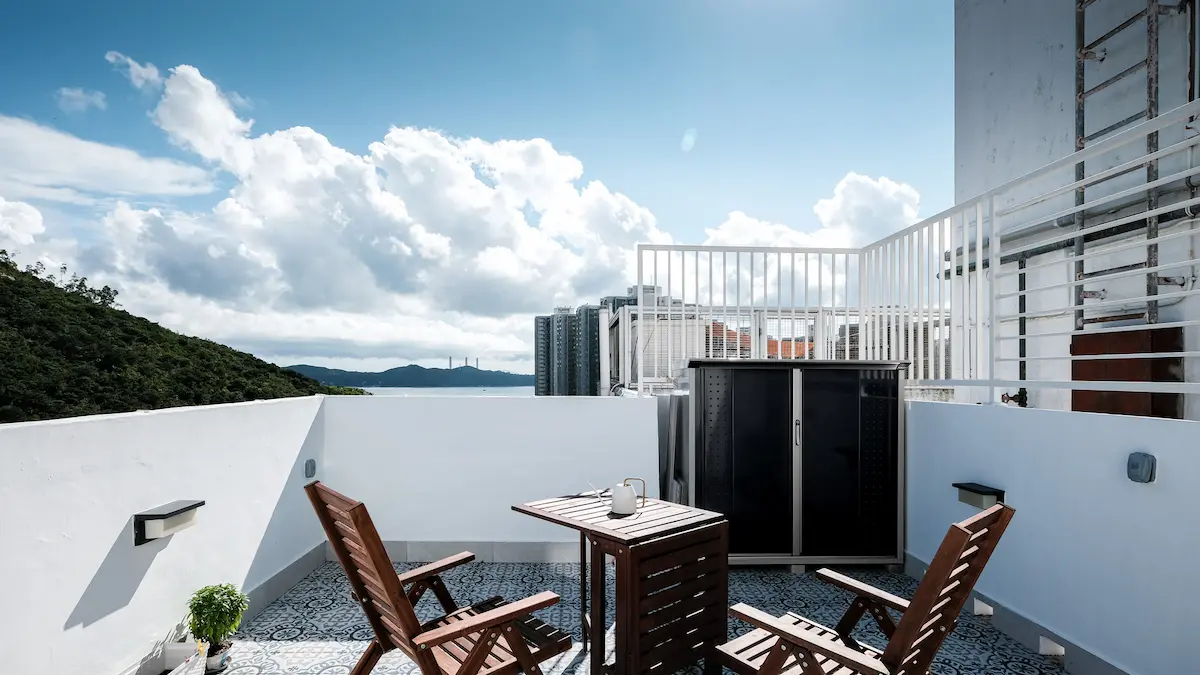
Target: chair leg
{"points": [[369, 658], [442, 594]]}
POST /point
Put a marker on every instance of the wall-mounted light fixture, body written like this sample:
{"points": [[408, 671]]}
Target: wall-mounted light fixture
{"points": [[165, 520], [979, 496]]}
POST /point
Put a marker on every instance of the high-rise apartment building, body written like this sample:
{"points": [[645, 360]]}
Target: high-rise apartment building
{"points": [[586, 345], [563, 325], [541, 355]]}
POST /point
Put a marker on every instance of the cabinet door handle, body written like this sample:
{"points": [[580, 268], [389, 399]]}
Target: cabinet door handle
{"points": [[798, 427]]}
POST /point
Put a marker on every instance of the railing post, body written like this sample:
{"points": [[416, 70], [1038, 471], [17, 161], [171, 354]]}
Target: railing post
{"points": [[641, 317], [994, 256]]}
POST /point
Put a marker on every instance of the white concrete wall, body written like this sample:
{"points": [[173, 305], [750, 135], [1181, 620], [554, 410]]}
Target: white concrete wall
{"points": [[1015, 112], [1105, 563], [1014, 83], [79, 597], [449, 469]]}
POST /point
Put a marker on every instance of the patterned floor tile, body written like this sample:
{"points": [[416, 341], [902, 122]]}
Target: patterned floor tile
{"points": [[317, 629]]}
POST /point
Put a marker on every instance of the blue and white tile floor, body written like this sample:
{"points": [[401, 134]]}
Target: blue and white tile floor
{"points": [[316, 628]]}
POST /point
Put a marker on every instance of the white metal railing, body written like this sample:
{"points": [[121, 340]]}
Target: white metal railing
{"points": [[742, 302], [989, 294]]}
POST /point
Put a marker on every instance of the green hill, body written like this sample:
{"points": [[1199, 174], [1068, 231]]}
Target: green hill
{"points": [[416, 376], [67, 350]]}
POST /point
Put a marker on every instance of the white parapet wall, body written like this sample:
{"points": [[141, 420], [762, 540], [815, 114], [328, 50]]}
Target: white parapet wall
{"points": [[433, 471], [1103, 564], [79, 597], [440, 474]]}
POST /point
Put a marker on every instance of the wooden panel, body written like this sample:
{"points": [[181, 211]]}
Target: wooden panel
{"points": [[1128, 370], [680, 609]]}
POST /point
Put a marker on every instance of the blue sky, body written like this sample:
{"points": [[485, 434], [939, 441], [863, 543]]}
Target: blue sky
{"points": [[787, 100], [786, 96]]}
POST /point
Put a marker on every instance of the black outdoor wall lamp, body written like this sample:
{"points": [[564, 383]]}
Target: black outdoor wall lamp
{"points": [[164, 520]]}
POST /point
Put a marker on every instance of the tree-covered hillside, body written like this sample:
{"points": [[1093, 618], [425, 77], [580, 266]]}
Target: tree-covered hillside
{"points": [[66, 349]]}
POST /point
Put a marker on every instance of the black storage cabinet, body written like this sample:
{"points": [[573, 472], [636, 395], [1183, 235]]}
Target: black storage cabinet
{"points": [[805, 458]]}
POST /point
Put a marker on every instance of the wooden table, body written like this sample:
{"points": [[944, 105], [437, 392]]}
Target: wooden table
{"points": [[672, 584]]}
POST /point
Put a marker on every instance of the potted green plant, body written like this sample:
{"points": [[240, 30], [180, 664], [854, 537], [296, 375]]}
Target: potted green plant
{"points": [[214, 614]]}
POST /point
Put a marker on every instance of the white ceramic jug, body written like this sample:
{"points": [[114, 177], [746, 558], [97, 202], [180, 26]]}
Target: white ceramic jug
{"points": [[624, 497]]}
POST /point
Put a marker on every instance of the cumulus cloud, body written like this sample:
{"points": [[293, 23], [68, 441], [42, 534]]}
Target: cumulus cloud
{"points": [[143, 76], [425, 245], [19, 224], [77, 100], [40, 162]]}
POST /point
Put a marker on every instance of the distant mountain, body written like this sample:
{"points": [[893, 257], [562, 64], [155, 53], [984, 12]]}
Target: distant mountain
{"points": [[416, 376]]}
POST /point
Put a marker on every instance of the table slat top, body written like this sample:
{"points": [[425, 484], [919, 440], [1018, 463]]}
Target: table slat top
{"points": [[591, 514]]}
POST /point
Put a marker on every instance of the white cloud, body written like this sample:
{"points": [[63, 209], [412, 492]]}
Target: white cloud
{"points": [[77, 100], [868, 209], [426, 246], [40, 162], [19, 224], [143, 76]]}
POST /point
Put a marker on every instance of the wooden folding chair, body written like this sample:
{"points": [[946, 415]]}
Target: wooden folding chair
{"points": [[493, 637], [795, 645]]}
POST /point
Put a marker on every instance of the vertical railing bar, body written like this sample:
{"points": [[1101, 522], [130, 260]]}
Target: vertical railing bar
{"points": [[846, 300], [876, 303], [724, 305], [779, 303], [994, 255], [922, 244], [889, 305], [793, 279], [670, 303], [708, 330], [823, 332], [966, 296], [695, 339], [909, 278], [979, 370], [952, 344], [905, 344], [737, 299], [871, 292], [952, 271], [641, 319], [807, 338]]}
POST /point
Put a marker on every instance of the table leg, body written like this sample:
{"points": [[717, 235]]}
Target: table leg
{"points": [[597, 606], [584, 627]]}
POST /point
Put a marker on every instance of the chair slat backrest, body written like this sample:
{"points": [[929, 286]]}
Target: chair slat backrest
{"points": [[368, 567], [944, 590]]}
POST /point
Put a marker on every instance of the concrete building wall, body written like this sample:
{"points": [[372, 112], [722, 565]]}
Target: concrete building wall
{"points": [[1015, 112]]}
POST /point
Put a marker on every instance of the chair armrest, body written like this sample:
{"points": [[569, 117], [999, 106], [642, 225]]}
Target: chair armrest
{"points": [[435, 568], [865, 590], [493, 617], [812, 643]]}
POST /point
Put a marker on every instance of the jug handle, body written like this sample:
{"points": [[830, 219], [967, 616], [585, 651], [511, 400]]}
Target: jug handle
{"points": [[643, 482]]}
